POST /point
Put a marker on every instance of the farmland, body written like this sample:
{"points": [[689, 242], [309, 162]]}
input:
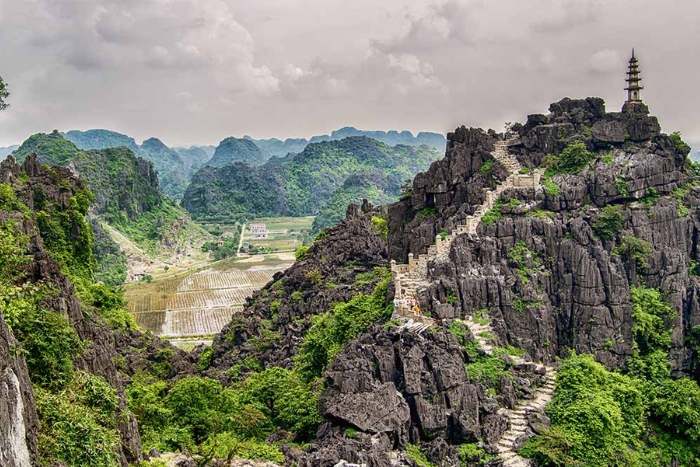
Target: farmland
{"points": [[192, 306], [201, 302]]}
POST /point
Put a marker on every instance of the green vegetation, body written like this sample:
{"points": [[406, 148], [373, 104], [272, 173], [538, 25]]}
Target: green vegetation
{"points": [[678, 142], [487, 370], [302, 253], [635, 249], [323, 179], [525, 260], [487, 166], [622, 186], [380, 226], [425, 212], [550, 187], [200, 415], [572, 160], [343, 322], [77, 410], [224, 247], [415, 454], [78, 423], [126, 196], [602, 418], [520, 305], [607, 158], [494, 214], [608, 223]]}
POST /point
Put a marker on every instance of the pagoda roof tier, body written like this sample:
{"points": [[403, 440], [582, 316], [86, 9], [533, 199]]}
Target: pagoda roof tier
{"points": [[634, 87]]}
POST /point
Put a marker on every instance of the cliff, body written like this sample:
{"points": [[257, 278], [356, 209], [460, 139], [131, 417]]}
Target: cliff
{"points": [[67, 333]]}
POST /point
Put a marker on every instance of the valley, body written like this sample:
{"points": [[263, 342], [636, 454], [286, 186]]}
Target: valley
{"points": [[189, 302]]}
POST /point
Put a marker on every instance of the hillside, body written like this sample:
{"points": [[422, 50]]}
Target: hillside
{"points": [[126, 196], [66, 346], [174, 166], [569, 242], [232, 150], [100, 139], [302, 184]]}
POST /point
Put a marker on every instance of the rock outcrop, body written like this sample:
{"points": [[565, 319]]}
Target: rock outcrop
{"points": [[276, 318], [57, 187], [19, 423]]}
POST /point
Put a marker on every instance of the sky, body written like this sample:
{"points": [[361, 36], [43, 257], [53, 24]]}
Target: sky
{"points": [[196, 71]]}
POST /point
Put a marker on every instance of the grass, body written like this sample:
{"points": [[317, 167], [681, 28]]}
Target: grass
{"points": [[286, 223]]}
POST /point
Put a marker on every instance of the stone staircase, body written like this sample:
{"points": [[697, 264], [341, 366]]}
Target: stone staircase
{"points": [[517, 416], [410, 278], [518, 421]]}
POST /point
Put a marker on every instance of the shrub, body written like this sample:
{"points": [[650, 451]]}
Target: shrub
{"points": [[622, 186], [415, 454], [77, 424], [302, 253], [493, 214], [285, 399], [343, 322], [572, 159], [487, 370], [635, 249], [608, 223], [678, 142], [652, 317], [425, 212], [314, 276], [227, 446], [487, 166], [525, 260], [380, 226], [550, 187]]}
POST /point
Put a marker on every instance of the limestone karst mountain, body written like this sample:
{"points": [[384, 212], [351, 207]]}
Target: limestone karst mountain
{"points": [[127, 196], [559, 238], [531, 299], [321, 179]]}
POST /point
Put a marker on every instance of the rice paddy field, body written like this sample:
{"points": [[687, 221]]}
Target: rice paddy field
{"points": [[200, 303], [190, 307]]}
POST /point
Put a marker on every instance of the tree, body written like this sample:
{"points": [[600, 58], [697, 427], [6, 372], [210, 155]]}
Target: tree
{"points": [[4, 94]]}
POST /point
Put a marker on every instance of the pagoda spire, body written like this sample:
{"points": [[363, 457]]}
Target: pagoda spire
{"points": [[633, 80]]}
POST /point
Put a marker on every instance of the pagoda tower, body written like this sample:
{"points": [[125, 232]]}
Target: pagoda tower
{"points": [[633, 87]]}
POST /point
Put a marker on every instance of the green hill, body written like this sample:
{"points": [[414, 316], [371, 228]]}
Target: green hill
{"points": [[127, 195], [323, 176], [100, 139], [232, 150]]}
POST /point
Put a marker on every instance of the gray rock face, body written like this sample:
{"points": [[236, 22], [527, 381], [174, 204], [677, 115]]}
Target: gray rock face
{"points": [[19, 423], [397, 388], [576, 295]]}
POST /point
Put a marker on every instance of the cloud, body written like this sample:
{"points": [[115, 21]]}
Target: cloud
{"points": [[200, 70], [451, 23], [177, 35], [605, 61], [556, 16]]}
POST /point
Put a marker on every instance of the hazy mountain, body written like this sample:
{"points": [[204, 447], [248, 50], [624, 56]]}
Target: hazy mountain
{"points": [[303, 184], [232, 150], [277, 148], [7, 150]]}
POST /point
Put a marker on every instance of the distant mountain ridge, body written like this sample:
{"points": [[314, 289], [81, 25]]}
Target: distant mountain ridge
{"points": [[177, 165], [278, 148], [322, 179]]}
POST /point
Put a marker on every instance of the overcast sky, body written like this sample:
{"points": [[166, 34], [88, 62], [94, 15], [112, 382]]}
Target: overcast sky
{"points": [[195, 71]]}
